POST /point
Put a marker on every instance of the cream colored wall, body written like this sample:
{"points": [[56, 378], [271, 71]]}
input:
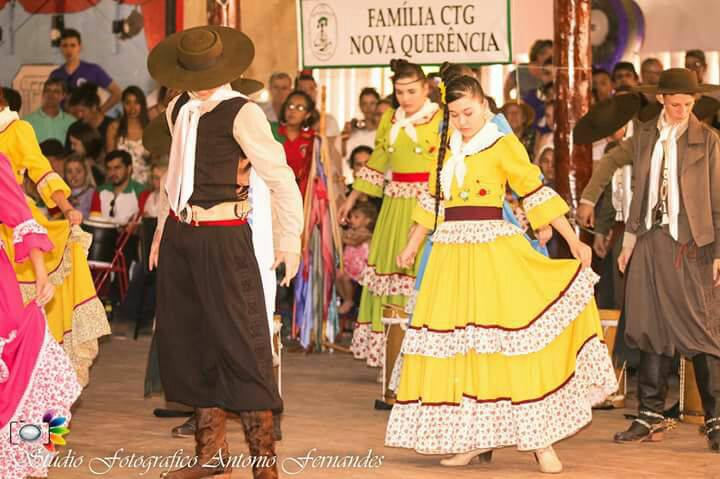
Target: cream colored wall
{"points": [[272, 25], [194, 13]]}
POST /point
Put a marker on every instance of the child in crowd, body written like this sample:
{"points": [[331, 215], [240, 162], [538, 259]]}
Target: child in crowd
{"points": [[355, 254], [78, 176]]}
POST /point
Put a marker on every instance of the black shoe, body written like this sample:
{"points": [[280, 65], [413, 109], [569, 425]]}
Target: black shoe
{"points": [[186, 429], [712, 430], [648, 427]]}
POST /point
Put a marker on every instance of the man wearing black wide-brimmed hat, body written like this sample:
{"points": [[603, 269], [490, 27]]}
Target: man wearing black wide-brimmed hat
{"points": [[213, 339], [673, 236]]}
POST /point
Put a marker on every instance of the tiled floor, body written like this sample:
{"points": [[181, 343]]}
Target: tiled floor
{"points": [[329, 410]]}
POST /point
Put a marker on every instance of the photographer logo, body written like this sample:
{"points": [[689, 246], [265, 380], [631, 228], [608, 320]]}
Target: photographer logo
{"points": [[49, 433]]}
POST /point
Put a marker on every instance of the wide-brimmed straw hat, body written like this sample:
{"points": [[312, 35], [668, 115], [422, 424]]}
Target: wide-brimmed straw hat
{"points": [[676, 81], [527, 109], [605, 118], [201, 58], [156, 135]]}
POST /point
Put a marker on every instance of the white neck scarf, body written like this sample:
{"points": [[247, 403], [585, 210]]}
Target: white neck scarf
{"points": [[455, 167], [666, 146], [181, 167], [423, 115], [7, 116]]}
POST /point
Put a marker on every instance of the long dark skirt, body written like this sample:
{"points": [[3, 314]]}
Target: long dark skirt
{"points": [[671, 303], [212, 332]]}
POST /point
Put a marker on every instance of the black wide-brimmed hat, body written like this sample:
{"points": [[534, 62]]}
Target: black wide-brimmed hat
{"points": [[156, 135], [605, 118], [676, 81], [705, 107], [201, 58]]}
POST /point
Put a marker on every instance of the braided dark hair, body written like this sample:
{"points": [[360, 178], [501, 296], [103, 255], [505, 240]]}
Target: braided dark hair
{"points": [[458, 83]]}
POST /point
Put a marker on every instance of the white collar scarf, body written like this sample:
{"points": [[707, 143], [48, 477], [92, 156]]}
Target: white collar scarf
{"points": [[666, 146], [423, 115], [455, 166], [181, 167], [7, 116]]}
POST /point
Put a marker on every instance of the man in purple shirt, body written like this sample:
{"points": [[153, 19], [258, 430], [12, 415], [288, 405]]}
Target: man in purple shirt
{"points": [[75, 72]]}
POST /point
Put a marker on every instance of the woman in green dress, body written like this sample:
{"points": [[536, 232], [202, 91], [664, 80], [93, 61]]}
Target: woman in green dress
{"points": [[406, 147]]}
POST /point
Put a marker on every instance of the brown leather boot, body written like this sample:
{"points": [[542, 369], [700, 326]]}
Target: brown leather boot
{"points": [[210, 445], [258, 427]]}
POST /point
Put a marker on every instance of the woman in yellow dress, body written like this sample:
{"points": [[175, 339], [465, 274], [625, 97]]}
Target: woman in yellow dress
{"points": [[76, 317], [505, 346], [406, 144]]}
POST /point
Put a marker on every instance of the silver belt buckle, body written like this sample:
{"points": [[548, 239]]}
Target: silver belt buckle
{"points": [[185, 215]]}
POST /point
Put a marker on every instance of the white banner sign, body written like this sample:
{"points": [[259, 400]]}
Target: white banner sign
{"points": [[348, 33]]}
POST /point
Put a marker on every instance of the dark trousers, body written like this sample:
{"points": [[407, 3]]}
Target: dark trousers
{"points": [[653, 382]]}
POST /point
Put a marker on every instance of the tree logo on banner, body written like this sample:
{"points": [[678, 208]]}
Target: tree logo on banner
{"points": [[323, 31]]}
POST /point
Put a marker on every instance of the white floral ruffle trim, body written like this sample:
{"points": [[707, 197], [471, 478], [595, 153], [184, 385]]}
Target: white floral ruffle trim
{"points": [[427, 202], [403, 189], [368, 345], [452, 429], [25, 228], [484, 231], [488, 340], [391, 284], [373, 177], [539, 197], [53, 386]]}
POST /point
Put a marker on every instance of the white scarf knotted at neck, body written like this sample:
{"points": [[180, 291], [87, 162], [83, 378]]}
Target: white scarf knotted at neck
{"points": [[666, 146], [407, 123], [455, 167], [181, 167], [7, 116]]}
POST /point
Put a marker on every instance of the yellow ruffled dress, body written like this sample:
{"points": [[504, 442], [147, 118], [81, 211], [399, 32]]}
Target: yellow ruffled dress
{"points": [[76, 317], [384, 282], [505, 347]]}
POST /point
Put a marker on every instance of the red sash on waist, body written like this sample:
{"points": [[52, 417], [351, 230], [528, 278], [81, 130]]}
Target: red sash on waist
{"points": [[233, 222], [473, 213], [410, 177]]}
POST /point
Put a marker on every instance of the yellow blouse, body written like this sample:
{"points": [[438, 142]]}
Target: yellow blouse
{"points": [[19, 144], [488, 172], [405, 156]]}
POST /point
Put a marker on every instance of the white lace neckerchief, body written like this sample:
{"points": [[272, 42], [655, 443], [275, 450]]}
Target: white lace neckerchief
{"points": [[666, 146], [407, 123], [7, 116], [181, 167], [455, 166]]}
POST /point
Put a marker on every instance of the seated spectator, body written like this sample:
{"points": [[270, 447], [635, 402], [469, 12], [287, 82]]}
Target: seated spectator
{"points": [[49, 121], [150, 199], [602, 86], [521, 118], [546, 161], [624, 74], [650, 70], [118, 200], [85, 140], [78, 176], [530, 76], [279, 86], [126, 132], [84, 104], [76, 72], [295, 132], [306, 83], [164, 97], [55, 152], [360, 131], [355, 252]]}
